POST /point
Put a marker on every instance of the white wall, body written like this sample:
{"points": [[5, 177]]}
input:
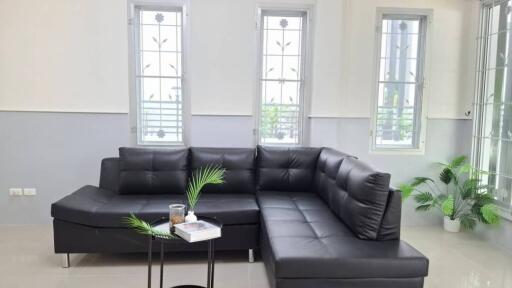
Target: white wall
{"points": [[61, 55]]}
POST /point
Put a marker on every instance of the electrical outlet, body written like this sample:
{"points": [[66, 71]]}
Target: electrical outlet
{"points": [[29, 191], [15, 191]]}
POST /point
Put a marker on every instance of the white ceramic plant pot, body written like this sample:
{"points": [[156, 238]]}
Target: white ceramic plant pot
{"points": [[191, 217], [451, 225]]}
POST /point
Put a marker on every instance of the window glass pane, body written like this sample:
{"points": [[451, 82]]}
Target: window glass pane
{"points": [[494, 103], [159, 76], [400, 82], [282, 79]]}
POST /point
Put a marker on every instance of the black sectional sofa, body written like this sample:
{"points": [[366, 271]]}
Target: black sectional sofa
{"points": [[320, 218]]}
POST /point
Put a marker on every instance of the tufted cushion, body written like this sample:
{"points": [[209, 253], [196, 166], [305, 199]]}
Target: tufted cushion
{"points": [[286, 169], [327, 169], [152, 171], [239, 165], [359, 197]]}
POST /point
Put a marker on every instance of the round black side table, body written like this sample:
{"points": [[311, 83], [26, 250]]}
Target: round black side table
{"points": [[163, 224]]}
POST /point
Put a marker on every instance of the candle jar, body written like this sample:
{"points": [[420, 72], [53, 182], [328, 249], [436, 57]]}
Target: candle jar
{"points": [[176, 214]]}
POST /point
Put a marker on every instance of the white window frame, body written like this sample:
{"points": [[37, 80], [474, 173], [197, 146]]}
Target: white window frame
{"points": [[135, 127], [419, 148], [293, 9], [505, 209]]}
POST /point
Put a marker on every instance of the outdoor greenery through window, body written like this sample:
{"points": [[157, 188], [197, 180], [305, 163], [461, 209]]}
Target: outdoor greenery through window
{"points": [[282, 77], [158, 75], [493, 105], [400, 81]]}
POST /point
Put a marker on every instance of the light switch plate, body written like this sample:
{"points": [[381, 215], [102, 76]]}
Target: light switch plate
{"points": [[15, 191], [29, 191]]}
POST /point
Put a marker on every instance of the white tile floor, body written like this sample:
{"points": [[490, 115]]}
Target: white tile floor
{"points": [[26, 260]]}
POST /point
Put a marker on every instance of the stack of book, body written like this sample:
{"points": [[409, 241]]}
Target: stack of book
{"points": [[197, 231]]}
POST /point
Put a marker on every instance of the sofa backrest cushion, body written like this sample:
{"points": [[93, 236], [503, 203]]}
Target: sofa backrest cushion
{"points": [[109, 175], [327, 169], [153, 171], [286, 169], [359, 197], [238, 162]]}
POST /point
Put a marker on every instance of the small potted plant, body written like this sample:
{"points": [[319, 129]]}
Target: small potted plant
{"points": [[461, 198], [201, 178]]}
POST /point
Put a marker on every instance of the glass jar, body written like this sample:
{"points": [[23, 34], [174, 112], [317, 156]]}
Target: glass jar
{"points": [[176, 214]]}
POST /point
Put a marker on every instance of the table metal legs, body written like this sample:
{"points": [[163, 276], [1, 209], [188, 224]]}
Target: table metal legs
{"points": [[211, 262], [161, 264], [150, 260]]}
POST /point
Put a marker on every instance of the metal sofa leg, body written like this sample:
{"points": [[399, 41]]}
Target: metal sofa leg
{"points": [[251, 256], [65, 260]]}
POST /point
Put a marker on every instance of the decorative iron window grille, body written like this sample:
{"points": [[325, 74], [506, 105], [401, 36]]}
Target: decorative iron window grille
{"points": [[283, 36], [158, 75], [492, 135], [401, 51]]}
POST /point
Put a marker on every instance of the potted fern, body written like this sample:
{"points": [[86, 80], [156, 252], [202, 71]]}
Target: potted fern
{"points": [[201, 178], [460, 197]]}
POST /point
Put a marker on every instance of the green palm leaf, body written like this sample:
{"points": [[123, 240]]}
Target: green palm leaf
{"points": [[200, 178], [446, 175], [457, 162], [470, 188], [424, 197], [143, 227], [406, 191], [448, 206], [468, 222], [490, 214], [420, 180], [424, 207]]}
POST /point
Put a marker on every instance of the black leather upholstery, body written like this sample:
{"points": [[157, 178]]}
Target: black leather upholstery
{"points": [[306, 240], [286, 169], [353, 191], [238, 162], [109, 177], [361, 198], [329, 162], [153, 171], [70, 237], [323, 218], [96, 207], [390, 226]]}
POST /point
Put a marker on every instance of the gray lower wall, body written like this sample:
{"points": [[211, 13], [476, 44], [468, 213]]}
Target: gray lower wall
{"points": [[59, 152]]}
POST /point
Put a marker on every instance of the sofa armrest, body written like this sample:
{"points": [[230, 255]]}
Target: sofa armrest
{"points": [[390, 226], [81, 203]]}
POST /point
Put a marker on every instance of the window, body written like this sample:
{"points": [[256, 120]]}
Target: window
{"points": [[400, 78], [158, 74], [281, 106], [492, 149]]}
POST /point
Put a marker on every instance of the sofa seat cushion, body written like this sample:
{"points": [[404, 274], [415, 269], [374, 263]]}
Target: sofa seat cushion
{"points": [[305, 239], [101, 208]]}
